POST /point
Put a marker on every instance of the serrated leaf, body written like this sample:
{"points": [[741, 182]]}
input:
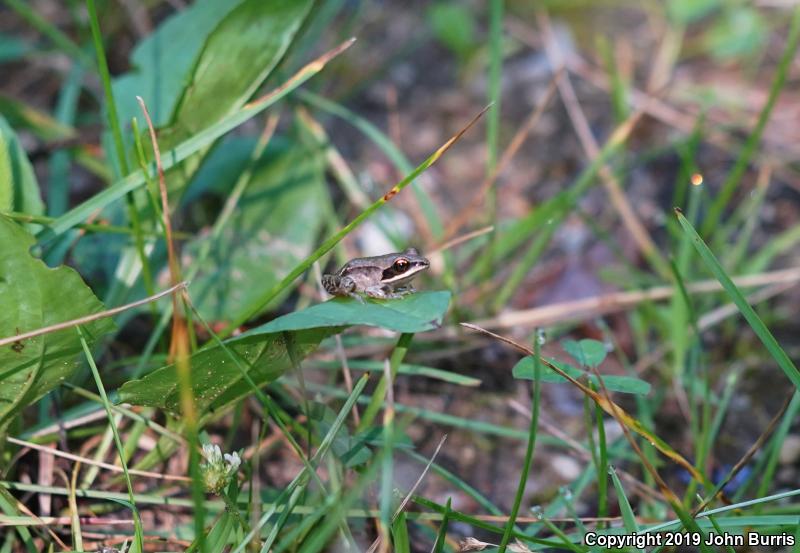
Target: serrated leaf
{"points": [[269, 350], [19, 190], [33, 296], [524, 369], [588, 353], [277, 222]]}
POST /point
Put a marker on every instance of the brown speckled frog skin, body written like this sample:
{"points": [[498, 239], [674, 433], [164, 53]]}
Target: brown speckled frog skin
{"points": [[383, 276]]}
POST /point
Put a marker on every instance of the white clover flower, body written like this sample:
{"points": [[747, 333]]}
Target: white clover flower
{"points": [[219, 469]]}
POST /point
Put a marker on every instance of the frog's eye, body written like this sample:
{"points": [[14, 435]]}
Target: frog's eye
{"points": [[401, 265]]}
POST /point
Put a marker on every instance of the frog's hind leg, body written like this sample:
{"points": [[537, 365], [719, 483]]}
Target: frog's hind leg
{"points": [[331, 284]]}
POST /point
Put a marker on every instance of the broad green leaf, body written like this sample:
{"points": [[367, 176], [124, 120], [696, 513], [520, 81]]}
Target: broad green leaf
{"points": [[238, 55], [19, 190], [418, 312], [33, 296], [269, 350], [188, 147], [163, 62], [589, 353], [277, 221], [626, 384], [216, 379]]}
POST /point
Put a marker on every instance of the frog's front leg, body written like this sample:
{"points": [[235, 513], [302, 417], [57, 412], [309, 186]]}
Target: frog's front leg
{"points": [[381, 292], [405, 290]]}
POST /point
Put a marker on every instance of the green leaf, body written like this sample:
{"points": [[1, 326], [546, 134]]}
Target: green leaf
{"points": [[19, 190], [33, 296], [418, 312], [216, 380], [187, 148], [738, 32], [524, 369], [589, 353], [276, 224], [163, 62], [269, 350], [238, 55], [689, 11], [453, 24]]}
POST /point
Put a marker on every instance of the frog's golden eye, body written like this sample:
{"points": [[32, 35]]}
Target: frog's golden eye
{"points": [[401, 265]]}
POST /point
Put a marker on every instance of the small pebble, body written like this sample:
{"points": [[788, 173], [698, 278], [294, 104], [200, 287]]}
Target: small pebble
{"points": [[790, 450]]}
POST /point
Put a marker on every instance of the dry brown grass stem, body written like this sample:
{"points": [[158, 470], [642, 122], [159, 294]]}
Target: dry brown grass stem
{"points": [[595, 306], [87, 461], [468, 213], [639, 233], [90, 318]]}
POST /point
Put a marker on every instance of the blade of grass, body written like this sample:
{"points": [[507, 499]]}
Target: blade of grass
{"points": [[137, 523], [749, 149], [755, 322], [385, 144], [532, 431], [328, 245], [441, 536], [61, 40], [379, 395], [297, 482], [628, 518], [494, 77], [116, 133], [775, 447]]}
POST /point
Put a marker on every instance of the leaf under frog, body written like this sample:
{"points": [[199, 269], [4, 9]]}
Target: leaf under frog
{"points": [[270, 349]]}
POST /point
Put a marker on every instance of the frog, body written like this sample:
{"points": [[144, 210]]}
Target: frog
{"points": [[381, 277]]}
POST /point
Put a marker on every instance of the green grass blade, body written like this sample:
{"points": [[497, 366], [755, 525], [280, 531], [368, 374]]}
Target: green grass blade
{"points": [[387, 147], [137, 523], [532, 431], [733, 292], [441, 536], [628, 518]]}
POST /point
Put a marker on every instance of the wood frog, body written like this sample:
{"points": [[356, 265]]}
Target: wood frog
{"points": [[383, 276]]}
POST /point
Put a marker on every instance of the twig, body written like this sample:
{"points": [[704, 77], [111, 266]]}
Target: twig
{"points": [[87, 461], [617, 301], [621, 204], [511, 150], [90, 318]]}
